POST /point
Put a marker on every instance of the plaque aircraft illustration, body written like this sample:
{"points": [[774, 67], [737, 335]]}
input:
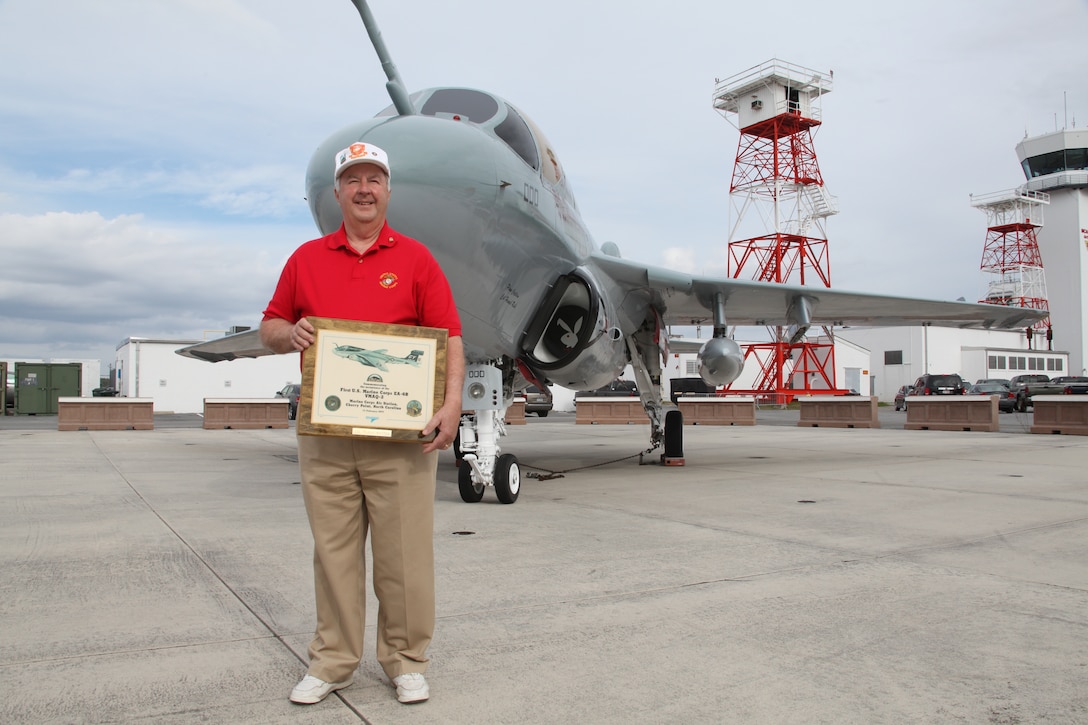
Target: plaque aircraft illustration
{"points": [[377, 358], [478, 182]]}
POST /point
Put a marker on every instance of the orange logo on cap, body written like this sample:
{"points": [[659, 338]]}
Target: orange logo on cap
{"points": [[388, 280], [356, 150]]}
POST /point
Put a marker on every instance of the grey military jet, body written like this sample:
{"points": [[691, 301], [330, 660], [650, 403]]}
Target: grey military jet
{"points": [[478, 182], [376, 358]]}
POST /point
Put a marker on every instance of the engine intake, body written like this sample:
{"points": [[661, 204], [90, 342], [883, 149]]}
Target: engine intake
{"points": [[570, 338]]}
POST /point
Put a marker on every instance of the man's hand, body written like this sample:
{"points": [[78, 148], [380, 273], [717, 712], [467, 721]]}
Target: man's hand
{"points": [[281, 336], [445, 422]]}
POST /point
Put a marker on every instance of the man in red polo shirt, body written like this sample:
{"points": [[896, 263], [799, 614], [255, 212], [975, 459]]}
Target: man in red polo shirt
{"points": [[366, 271]]}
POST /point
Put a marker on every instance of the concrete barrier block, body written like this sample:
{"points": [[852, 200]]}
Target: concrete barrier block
{"points": [[952, 412], [105, 414], [245, 413], [714, 410], [515, 414], [1062, 414], [838, 411], [609, 411]]}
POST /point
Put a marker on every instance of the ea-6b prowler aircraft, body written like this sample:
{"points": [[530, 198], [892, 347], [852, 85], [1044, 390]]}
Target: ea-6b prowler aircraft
{"points": [[376, 358], [476, 181]]}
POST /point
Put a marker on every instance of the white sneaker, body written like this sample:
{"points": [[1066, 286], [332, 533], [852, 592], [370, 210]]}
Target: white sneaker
{"points": [[310, 690], [411, 687]]}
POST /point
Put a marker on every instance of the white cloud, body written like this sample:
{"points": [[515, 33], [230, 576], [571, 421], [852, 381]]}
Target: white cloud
{"points": [[74, 279]]}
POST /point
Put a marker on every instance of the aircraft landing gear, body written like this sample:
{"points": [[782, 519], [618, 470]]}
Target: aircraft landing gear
{"points": [[507, 478], [674, 439], [471, 492], [481, 466]]}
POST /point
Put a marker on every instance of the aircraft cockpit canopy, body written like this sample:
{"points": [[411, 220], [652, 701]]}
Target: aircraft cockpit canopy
{"points": [[497, 116]]}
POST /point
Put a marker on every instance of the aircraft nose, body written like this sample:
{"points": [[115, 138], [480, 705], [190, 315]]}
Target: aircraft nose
{"points": [[438, 166]]}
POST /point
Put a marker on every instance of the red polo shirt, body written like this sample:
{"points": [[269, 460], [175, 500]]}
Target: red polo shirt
{"points": [[395, 281]]}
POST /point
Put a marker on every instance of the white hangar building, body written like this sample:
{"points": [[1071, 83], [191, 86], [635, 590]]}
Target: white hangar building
{"points": [[146, 368]]}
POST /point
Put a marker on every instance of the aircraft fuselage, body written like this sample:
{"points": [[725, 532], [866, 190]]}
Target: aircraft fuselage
{"points": [[501, 222]]}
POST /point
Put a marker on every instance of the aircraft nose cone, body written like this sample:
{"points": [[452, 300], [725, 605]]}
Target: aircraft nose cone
{"points": [[439, 167]]}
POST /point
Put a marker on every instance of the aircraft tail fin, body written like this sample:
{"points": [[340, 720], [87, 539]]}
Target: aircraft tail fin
{"points": [[395, 86]]}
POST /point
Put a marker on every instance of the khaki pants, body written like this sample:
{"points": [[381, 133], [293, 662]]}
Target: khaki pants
{"points": [[352, 486]]}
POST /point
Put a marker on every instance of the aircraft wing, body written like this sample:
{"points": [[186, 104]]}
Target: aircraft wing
{"points": [[229, 347], [690, 299]]}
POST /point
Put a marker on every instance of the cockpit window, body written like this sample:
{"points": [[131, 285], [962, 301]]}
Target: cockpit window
{"points": [[515, 132], [475, 106]]}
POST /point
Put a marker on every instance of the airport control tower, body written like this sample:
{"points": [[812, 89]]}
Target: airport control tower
{"points": [[778, 192], [1057, 164]]}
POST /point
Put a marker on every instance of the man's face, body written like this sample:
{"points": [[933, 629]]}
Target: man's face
{"points": [[363, 194]]}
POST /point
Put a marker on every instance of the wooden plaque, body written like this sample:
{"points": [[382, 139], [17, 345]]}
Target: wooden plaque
{"points": [[371, 380]]}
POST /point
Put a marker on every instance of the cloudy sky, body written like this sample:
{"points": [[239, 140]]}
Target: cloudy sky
{"points": [[152, 152]]}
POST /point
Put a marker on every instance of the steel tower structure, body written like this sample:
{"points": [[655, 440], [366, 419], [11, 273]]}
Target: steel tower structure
{"points": [[777, 182], [1011, 255]]}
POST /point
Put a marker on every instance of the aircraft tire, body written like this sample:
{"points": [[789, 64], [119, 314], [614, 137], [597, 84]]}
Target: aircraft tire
{"points": [[674, 435], [470, 492], [507, 478]]}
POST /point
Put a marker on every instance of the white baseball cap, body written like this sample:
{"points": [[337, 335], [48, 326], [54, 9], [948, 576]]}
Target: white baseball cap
{"points": [[361, 153]]}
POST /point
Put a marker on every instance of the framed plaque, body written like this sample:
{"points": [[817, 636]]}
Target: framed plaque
{"points": [[371, 380]]}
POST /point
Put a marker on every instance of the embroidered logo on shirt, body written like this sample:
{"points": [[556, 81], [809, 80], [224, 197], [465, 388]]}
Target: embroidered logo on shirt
{"points": [[388, 280]]}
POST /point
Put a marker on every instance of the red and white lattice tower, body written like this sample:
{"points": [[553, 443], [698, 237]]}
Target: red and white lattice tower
{"points": [[1011, 255], [777, 185]]}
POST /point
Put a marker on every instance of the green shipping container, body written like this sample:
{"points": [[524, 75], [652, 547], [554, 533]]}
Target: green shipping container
{"points": [[4, 393], [39, 385]]}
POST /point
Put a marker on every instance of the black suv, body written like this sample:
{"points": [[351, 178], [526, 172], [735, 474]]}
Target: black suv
{"points": [[939, 385]]}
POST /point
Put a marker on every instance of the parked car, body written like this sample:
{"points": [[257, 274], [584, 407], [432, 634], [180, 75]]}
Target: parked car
{"points": [[1073, 385], [1006, 401], [618, 388], [290, 391], [947, 384], [1027, 379], [537, 402], [1001, 381], [1029, 385], [901, 397]]}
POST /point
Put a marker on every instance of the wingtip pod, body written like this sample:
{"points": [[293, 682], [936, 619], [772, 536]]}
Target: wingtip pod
{"points": [[721, 361]]}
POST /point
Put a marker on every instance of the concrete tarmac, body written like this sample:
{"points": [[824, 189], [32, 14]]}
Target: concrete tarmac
{"points": [[784, 575]]}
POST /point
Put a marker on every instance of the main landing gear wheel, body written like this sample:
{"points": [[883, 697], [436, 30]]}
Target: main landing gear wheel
{"points": [[674, 439], [471, 492], [507, 479]]}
